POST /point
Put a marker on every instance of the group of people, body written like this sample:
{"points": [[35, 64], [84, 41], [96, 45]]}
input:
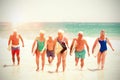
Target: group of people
{"points": [[59, 46]]}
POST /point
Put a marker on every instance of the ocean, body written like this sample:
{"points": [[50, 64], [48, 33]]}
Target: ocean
{"points": [[30, 30]]}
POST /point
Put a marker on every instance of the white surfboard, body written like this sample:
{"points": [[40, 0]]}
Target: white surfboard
{"points": [[58, 48]]}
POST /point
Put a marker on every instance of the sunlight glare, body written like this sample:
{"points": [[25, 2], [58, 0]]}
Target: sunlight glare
{"points": [[16, 21]]}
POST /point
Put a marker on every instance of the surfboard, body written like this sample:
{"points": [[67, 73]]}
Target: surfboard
{"points": [[58, 48]]}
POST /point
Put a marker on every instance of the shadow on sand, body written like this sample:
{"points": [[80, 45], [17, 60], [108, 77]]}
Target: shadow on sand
{"points": [[94, 69], [8, 65]]}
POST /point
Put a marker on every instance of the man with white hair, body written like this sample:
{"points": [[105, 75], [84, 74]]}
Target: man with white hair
{"points": [[63, 52], [79, 48], [13, 43]]}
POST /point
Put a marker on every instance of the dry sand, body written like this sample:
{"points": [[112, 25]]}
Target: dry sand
{"points": [[26, 70]]}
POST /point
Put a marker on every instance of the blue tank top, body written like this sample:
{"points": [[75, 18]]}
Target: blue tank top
{"points": [[103, 45]]}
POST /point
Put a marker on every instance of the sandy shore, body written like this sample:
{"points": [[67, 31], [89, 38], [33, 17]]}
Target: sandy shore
{"points": [[27, 68]]}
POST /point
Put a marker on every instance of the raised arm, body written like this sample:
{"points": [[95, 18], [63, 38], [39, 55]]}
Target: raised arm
{"points": [[21, 40], [94, 45], [108, 41]]}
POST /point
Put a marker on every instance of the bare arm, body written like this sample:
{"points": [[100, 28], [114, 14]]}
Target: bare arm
{"points": [[72, 46], [87, 47], [94, 45], [33, 45], [67, 42], [9, 41], [21, 40], [108, 41], [54, 44]]}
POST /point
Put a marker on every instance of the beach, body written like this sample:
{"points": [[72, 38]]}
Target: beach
{"points": [[29, 17], [26, 70]]}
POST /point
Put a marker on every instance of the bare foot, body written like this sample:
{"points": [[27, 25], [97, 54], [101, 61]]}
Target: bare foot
{"points": [[13, 64], [56, 70], [18, 64], [76, 64], [102, 67], [98, 66], [37, 69], [42, 69]]}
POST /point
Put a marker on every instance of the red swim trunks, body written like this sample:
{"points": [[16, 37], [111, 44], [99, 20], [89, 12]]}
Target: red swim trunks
{"points": [[15, 50]]}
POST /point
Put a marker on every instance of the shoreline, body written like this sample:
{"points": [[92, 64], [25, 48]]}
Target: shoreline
{"points": [[86, 37]]}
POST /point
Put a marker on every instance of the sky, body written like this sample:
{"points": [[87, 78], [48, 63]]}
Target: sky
{"points": [[60, 10]]}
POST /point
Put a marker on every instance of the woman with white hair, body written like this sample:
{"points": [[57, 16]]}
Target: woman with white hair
{"points": [[61, 54], [79, 49], [40, 50]]}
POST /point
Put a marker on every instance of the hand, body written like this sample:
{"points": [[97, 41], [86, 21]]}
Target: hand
{"points": [[33, 54], [88, 54], [70, 54], [23, 45], [92, 51], [9, 48], [112, 49]]}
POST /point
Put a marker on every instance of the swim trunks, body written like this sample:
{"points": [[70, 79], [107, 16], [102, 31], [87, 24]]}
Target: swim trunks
{"points": [[50, 53], [80, 54], [15, 50]]}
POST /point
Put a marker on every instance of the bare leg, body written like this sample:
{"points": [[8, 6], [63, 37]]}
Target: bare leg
{"points": [[64, 61], [58, 61], [98, 59], [49, 60], [76, 61], [82, 63], [18, 57], [103, 60], [13, 60], [43, 60], [13, 56], [37, 61], [52, 60]]}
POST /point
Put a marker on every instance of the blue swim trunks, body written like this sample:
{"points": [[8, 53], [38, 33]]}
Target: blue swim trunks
{"points": [[80, 54], [50, 53]]}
